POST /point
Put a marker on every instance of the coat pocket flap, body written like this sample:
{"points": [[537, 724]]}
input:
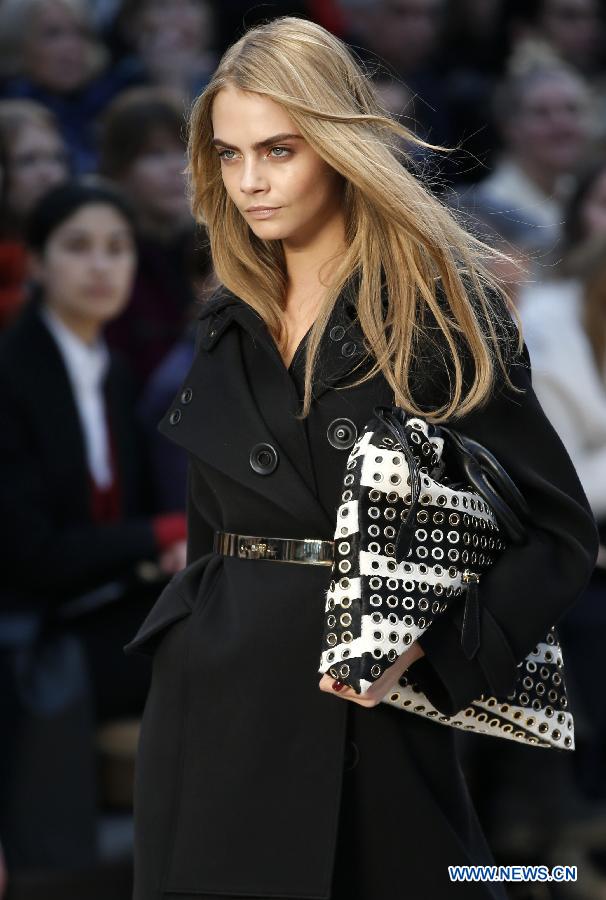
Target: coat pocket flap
{"points": [[174, 603]]}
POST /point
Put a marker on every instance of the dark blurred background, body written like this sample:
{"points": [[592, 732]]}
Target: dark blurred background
{"points": [[92, 498]]}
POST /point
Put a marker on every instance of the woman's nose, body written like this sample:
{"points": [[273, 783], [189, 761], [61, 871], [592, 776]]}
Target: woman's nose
{"points": [[252, 178]]}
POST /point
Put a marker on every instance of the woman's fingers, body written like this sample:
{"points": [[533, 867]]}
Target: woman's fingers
{"points": [[381, 687], [347, 693]]}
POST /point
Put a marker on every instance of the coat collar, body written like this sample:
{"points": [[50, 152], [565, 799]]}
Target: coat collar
{"points": [[219, 419], [342, 350]]}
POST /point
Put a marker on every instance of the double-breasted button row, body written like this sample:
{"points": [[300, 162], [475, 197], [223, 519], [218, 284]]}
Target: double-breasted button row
{"points": [[263, 458], [342, 433], [185, 398], [337, 333]]}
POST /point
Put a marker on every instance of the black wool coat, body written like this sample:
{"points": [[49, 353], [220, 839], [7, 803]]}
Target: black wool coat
{"points": [[251, 782]]}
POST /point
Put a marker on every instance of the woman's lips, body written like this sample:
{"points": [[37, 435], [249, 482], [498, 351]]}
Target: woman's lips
{"points": [[263, 213]]}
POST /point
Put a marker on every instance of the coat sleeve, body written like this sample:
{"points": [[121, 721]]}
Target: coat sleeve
{"points": [[530, 587]]}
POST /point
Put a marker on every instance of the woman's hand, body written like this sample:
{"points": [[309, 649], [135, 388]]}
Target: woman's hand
{"points": [[382, 686]]}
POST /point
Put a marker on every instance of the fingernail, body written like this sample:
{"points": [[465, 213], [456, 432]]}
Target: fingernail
{"points": [[338, 685]]}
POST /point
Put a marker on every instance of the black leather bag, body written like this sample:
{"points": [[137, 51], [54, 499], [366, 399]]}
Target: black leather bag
{"points": [[425, 511]]}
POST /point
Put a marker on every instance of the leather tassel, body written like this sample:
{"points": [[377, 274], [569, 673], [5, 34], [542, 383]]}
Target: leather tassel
{"points": [[404, 539], [470, 628]]}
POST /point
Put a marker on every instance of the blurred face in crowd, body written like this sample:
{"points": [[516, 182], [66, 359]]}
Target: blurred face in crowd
{"points": [[56, 47], [574, 27], [36, 160], [286, 174], [87, 267], [593, 212], [156, 183], [178, 26], [404, 32], [549, 131], [480, 16]]}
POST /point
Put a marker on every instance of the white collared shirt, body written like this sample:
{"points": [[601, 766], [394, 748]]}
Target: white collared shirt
{"points": [[86, 367]]}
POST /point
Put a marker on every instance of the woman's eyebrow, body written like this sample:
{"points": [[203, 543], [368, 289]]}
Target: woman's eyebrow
{"points": [[260, 144]]}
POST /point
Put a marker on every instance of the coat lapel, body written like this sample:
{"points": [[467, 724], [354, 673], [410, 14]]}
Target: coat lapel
{"points": [[238, 393], [55, 411]]}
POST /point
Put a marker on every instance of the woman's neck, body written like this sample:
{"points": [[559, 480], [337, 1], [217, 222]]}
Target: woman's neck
{"points": [[310, 267], [88, 330]]}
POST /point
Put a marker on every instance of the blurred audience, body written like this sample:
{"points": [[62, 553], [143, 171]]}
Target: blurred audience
{"points": [[403, 39], [33, 159], [100, 284], [541, 108], [173, 44], [574, 28], [564, 321], [143, 150], [51, 54]]}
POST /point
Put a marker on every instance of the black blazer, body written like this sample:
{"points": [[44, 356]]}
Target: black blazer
{"points": [[239, 777], [50, 550]]}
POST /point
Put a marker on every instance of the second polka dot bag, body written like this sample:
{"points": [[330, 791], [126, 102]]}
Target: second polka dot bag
{"points": [[425, 511]]}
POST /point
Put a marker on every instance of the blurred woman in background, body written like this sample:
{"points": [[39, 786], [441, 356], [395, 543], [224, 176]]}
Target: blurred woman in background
{"points": [[77, 524], [541, 109]]}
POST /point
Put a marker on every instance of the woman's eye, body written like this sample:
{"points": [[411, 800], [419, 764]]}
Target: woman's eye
{"points": [[77, 245], [281, 155], [222, 152]]}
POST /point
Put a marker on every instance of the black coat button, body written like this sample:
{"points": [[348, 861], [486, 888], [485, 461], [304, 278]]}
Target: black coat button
{"points": [[175, 417], [342, 433], [337, 333], [352, 755], [187, 395], [348, 348], [263, 459]]}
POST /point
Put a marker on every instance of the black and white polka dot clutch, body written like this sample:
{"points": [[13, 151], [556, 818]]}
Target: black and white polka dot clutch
{"points": [[425, 511]]}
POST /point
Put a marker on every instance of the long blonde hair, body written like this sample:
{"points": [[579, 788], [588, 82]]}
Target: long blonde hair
{"points": [[400, 238]]}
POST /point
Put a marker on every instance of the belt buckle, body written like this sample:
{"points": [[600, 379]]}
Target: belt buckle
{"points": [[257, 548]]}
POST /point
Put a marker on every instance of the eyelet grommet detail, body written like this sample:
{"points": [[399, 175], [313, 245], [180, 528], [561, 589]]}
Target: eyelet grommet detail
{"points": [[187, 395], [263, 459], [342, 434], [348, 348], [175, 417], [337, 333]]}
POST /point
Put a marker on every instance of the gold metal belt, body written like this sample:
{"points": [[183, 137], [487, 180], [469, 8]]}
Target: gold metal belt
{"points": [[246, 546]]}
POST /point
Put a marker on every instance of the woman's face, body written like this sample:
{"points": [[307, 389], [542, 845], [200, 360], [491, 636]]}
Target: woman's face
{"points": [[593, 213], [263, 167], [36, 160], [87, 266], [550, 128], [56, 48], [156, 183], [181, 26]]}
